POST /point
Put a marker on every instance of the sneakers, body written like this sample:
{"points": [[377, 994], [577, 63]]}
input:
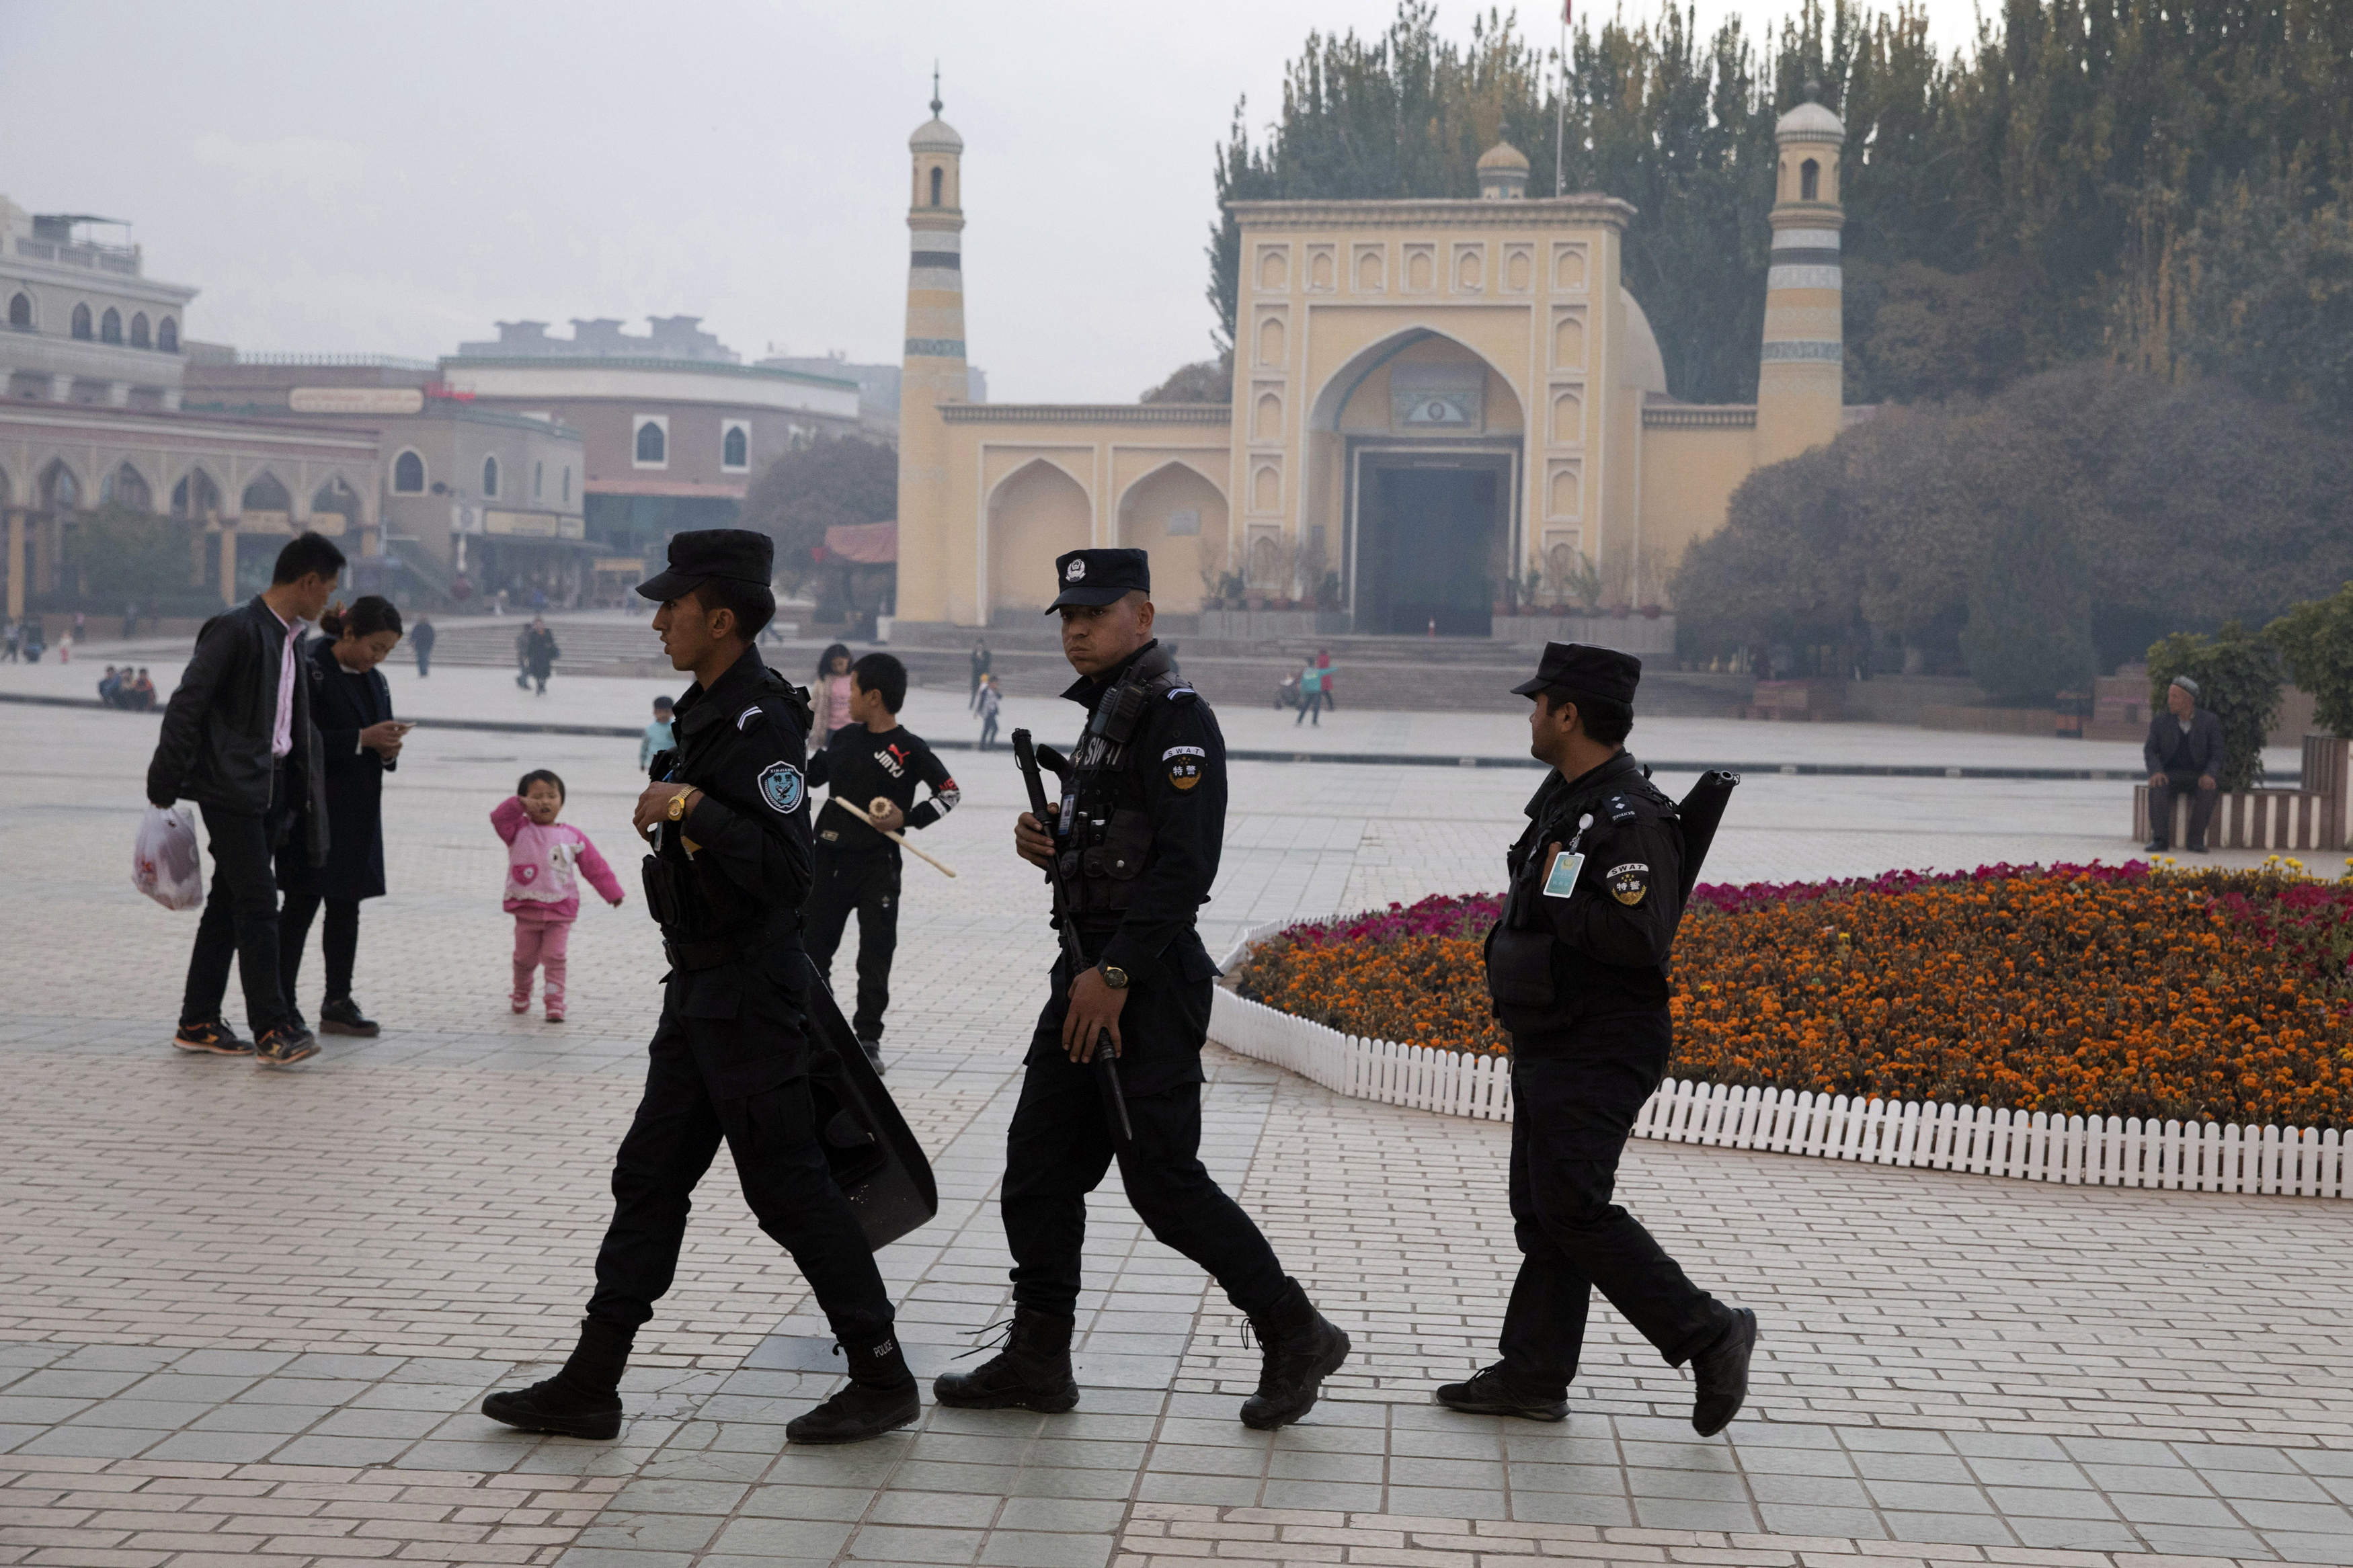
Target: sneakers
{"points": [[1721, 1373], [1302, 1349], [345, 1018], [584, 1400], [1496, 1391], [874, 1049], [879, 1397], [1031, 1372], [285, 1045], [215, 1038], [519, 1005]]}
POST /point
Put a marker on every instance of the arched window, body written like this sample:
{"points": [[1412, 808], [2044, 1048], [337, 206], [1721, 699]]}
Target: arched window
{"points": [[538, 479], [195, 496], [735, 452], [81, 322], [490, 476], [1810, 181], [126, 487], [167, 335], [60, 491], [939, 178], [408, 474], [650, 444], [110, 326], [20, 312], [267, 493], [138, 338]]}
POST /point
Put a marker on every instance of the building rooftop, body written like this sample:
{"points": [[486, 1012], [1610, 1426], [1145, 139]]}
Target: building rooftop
{"points": [[674, 337]]}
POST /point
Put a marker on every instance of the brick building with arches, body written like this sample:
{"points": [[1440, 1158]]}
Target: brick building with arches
{"points": [[1439, 407]]}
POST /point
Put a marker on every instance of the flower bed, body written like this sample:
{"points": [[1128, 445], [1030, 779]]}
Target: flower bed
{"points": [[2097, 990]]}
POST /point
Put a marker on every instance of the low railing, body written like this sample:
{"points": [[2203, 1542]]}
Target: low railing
{"points": [[2031, 1146]]}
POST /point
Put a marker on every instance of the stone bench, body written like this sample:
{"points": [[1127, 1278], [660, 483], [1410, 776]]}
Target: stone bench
{"points": [[2310, 817]]}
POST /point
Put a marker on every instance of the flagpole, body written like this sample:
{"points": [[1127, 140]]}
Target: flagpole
{"points": [[1560, 119]]}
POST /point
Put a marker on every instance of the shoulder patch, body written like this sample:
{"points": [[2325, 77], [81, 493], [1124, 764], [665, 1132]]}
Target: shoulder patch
{"points": [[1619, 808], [1627, 883], [745, 717], [1182, 751], [781, 786], [1184, 691], [1184, 764]]}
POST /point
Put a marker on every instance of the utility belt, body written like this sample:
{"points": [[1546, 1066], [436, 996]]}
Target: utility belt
{"points": [[692, 953]]}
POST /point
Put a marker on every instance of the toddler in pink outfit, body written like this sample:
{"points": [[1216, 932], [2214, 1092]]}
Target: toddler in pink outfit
{"points": [[543, 887]]}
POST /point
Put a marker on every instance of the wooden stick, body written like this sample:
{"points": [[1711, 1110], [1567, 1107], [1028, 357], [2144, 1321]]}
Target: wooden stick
{"points": [[898, 838]]}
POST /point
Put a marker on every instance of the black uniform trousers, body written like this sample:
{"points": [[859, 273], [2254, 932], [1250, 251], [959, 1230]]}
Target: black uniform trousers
{"points": [[240, 918], [2201, 809], [697, 1094], [1065, 1136], [867, 881], [340, 942], [1574, 1099]]}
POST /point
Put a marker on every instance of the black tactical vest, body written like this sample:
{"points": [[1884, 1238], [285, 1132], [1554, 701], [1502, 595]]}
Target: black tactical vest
{"points": [[1106, 829]]}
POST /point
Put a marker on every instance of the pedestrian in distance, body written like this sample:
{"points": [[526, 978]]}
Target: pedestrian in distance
{"points": [[236, 739], [144, 692], [1311, 694], [110, 688], [1323, 663], [979, 670], [359, 742], [545, 861], [421, 637], [12, 642], [730, 1059], [1576, 967], [540, 652], [65, 648], [130, 620], [991, 700], [874, 762], [659, 736], [1138, 835], [831, 693], [2184, 755]]}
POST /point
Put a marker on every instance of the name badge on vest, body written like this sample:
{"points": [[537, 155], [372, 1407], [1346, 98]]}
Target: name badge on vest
{"points": [[1561, 882]]}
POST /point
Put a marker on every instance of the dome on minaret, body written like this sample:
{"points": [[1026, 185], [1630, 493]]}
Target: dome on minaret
{"points": [[1503, 173], [1809, 121], [935, 135]]}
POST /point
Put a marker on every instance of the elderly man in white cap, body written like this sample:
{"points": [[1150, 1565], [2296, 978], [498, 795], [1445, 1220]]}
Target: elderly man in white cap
{"points": [[2184, 756]]}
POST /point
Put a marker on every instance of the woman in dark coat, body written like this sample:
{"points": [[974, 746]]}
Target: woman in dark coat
{"points": [[351, 709]]}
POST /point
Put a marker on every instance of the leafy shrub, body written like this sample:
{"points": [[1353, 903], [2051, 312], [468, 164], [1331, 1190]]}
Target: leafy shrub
{"points": [[2316, 638]]}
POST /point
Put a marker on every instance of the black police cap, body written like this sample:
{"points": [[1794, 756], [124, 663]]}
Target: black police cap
{"points": [[1579, 667], [707, 553], [1100, 576]]}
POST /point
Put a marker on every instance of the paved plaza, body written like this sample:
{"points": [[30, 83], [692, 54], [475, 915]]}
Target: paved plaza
{"points": [[248, 1317]]}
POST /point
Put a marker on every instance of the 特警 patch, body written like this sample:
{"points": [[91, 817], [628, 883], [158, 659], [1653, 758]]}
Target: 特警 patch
{"points": [[781, 788], [1183, 765], [1627, 883]]}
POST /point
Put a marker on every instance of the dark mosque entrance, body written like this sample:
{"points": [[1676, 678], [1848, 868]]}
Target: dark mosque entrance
{"points": [[1431, 538]]}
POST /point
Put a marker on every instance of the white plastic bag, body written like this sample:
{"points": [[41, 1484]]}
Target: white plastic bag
{"points": [[164, 863]]}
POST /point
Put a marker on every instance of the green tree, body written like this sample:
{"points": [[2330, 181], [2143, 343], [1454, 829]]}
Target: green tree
{"points": [[834, 480], [1203, 381], [2315, 637], [115, 552], [2029, 635], [2238, 678]]}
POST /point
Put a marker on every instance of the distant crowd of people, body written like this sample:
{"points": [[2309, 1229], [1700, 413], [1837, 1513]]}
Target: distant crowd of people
{"points": [[127, 688]]}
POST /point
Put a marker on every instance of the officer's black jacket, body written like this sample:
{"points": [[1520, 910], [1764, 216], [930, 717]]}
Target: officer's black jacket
{"points": [[1611, 940], [743, 742], [861, 764], [1171, 769]]}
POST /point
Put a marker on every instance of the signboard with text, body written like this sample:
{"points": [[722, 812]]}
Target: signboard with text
{"points": [[356, 400]]}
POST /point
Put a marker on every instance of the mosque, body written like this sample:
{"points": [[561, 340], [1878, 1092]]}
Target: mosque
{"points": [[1429, 398]]}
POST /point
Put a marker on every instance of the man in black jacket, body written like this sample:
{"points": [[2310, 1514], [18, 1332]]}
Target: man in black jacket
{"points": [[728, 820], [1139, 831], [873, 757], [2183, 755], [1578, 968], [236, 739]]}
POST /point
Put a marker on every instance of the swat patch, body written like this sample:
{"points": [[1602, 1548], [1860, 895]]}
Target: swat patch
{"points": [[780, 786], [1184, 764], [1629, 883]]}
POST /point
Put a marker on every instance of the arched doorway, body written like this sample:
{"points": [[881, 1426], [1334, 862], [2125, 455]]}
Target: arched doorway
{"points": [[1036, 514], [1426, 441], [1177, 518]]}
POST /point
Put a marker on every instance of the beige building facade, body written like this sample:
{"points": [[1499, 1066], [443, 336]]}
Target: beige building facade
{"points": [[1440, 408]]}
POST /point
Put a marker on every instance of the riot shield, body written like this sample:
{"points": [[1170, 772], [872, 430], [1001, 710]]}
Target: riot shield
{"points": [[875, 1159]]}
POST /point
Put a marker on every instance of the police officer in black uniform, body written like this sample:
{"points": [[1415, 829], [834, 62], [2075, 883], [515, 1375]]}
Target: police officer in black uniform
{"points": [[1139, 828], [1578, 968], [727, 817]]}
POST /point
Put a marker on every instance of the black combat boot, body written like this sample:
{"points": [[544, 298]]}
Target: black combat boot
{"points": [[1302, 1349], [1497, 1390], [1720, 1371], [584, 1400], [880, 1397], [1031, 1372]]}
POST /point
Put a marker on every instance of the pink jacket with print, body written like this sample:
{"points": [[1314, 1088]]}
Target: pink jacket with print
{"points": [[540, 861]]}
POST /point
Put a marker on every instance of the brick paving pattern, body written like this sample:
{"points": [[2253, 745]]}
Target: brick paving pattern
{"points": [[248, 1317]]}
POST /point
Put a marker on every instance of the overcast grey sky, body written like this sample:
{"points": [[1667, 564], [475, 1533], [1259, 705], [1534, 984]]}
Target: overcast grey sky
{"points": [[393, 178]]}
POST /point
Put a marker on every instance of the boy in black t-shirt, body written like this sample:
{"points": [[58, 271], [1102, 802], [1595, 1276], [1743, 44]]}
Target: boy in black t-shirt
{"points": [[857, 868]]}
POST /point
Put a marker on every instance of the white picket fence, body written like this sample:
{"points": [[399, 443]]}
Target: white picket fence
{"points": [[2105, 1151]]}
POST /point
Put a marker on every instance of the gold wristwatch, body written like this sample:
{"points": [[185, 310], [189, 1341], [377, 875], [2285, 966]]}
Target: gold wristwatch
{"points": [[677, 803], [1114, 976]]}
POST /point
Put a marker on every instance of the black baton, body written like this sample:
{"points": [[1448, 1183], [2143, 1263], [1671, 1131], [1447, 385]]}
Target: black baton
{"points": [[1025, 757]]}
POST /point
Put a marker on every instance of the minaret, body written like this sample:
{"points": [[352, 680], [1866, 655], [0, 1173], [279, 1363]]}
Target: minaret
{"points": [[933, 371], [1801, 378]]}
